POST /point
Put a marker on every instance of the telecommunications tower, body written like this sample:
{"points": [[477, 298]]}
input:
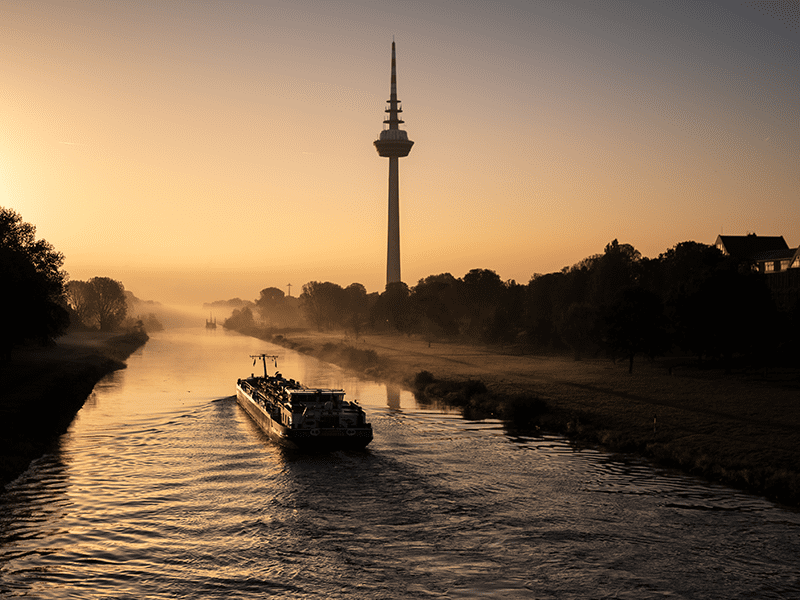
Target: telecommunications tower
{"points": [[393, 143]]}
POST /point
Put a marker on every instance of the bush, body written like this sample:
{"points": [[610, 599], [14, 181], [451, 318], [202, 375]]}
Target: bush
{"points": [[523, 410], [422, 380]]}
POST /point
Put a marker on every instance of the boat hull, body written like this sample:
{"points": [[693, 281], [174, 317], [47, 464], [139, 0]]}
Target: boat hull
{"points": [[318, 438]]}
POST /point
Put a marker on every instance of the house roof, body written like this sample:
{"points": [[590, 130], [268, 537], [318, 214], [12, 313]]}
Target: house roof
{"points": [[775, 254], [748, 247]]}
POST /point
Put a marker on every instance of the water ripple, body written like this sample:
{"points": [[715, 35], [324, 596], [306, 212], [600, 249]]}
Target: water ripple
{"points": [[156, 493]]}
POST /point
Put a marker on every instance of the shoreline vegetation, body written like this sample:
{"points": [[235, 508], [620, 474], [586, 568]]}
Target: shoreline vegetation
{"points": [[740, 428], [44, 387]]}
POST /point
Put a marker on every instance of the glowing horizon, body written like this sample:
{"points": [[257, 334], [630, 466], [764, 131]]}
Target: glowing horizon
{"points": [[204, 151]]}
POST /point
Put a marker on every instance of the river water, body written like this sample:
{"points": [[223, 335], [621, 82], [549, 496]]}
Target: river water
{"points": [[164, 488]]}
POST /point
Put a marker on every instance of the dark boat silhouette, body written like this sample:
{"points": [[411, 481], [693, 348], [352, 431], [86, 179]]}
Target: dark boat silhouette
{"points": [[297, 416]]}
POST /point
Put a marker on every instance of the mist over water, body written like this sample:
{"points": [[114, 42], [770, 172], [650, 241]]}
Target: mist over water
{"points": [[164, 488]]}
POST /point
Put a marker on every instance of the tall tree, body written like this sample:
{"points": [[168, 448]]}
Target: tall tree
{"points": [[395, 309], [636, 324], [324, 304], [616, 270], [482, 291], [110, 304], [240, 319], [270, 304], [686, 265], [357, 307], [33, 304], [437, 299], [543, 308], [578, 328], [729, 313], [81, 299]]}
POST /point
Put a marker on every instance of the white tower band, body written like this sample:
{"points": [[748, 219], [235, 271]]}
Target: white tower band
{"points": [[393, 143]]}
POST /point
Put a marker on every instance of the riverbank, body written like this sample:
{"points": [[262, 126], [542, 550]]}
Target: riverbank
{"points": [[741, 429], [43, 389]]}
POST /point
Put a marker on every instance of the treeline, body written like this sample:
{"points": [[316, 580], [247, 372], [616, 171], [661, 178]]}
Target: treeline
{"points": [[103, 304], [99, 303], [32, 303], [273, 308], [38, 302], [692, 298]]}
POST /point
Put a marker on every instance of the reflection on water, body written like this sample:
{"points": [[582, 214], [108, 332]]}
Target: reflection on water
{"points": [[393, 396], [164, 488]]}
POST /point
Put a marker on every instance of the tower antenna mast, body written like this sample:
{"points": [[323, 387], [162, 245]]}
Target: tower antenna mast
{"points": [[393, 143]]}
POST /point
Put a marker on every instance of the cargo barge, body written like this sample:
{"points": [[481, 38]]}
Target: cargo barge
{"points": [[297, 416]]}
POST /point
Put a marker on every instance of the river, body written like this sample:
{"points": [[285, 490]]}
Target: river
{"points": [[164, 488]]}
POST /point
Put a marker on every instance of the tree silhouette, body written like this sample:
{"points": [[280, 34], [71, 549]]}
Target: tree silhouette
{"points": [[270, 304], [394, 308], [615, 270], [80, 297], [32, 303], [578, 328], [324, 304], [100, 302], [240, 319], [729, 313], [636, 324], [437, 299], [109, 302], [357, 307], [482, 292]]}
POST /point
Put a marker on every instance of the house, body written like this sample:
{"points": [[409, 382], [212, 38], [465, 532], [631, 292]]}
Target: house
{"points": [[772, 256], [767, 254]]}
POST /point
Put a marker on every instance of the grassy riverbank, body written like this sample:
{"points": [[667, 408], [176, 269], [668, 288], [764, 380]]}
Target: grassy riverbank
{"points": [[43, 389], [740, 428]]}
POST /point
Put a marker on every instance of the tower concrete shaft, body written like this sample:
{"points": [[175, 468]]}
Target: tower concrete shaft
{"points": [[393, 143], [393, 248]]}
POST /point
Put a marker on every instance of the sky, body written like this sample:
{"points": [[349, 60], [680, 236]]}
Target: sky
{"points": [[199, 151]]}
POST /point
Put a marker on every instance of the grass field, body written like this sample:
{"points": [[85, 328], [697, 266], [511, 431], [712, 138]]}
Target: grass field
{"points": [[740, 428]]}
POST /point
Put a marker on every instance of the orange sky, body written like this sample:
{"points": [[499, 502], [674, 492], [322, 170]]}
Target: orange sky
{"points": [[205, 150]]}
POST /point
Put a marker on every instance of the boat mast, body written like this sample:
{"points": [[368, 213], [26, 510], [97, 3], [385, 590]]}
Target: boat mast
{"points": [[263, 358]]}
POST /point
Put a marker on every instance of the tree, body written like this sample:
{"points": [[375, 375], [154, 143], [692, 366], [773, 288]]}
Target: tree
{"points": [[729, 313], [80, 297], [151, 323], [99, 303], [686, 265], [636, 324], [324, 304], [482, 291], [357, 307], [542, 306], [33, 301], [437, 300], [616, 270], [240, 319], [110, 305], [578, 327], [270, 304], [394, 309]]}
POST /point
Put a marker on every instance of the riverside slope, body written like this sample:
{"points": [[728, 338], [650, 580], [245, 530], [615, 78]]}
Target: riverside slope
{"points": [[43, 389], [741, 429]]}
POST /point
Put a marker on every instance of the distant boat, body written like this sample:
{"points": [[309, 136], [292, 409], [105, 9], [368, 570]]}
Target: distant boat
{"points": [[211, 323], [296, 416]]}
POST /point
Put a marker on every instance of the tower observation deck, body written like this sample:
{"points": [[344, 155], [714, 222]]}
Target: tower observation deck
{"points": [[393, 143]]}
